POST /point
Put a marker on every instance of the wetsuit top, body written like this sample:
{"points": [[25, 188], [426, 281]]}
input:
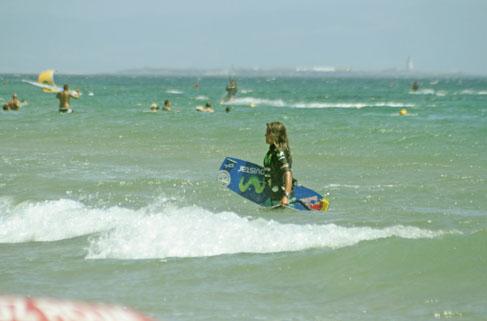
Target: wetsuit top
{"points": [[276, 163]]}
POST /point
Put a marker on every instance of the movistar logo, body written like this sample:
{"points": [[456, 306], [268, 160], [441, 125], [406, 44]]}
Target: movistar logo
{"points": [[254, 181]]}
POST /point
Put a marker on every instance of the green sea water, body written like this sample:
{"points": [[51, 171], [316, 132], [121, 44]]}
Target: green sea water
{"points": [[116, 204]]}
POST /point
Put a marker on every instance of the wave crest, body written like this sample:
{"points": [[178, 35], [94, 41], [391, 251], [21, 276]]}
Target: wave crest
{"points": [[164, 230]]}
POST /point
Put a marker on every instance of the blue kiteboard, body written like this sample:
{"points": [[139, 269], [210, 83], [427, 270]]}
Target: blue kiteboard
{"points": [[247, 180]]}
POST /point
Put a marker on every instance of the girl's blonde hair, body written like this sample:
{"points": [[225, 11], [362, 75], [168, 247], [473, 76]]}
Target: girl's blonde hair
{"points": [[278, 134]]}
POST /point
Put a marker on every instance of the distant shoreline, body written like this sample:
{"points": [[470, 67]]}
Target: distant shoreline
{"points": [[255, 73]]}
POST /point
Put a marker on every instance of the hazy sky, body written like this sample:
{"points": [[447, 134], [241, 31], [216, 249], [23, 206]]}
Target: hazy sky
{"points": [[86, 36]]}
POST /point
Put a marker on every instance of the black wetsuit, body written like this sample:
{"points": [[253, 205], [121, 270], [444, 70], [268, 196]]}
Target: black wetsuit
{"points": [[276, 164]]}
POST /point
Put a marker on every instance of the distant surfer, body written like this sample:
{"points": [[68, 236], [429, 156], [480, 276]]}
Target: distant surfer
{"points": [[64, 98], [231, 89], [167, 105], [12, 104], [415, 86], [277, 163]]}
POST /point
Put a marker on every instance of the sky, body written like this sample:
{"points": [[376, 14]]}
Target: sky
{"points": [[103, 36]]}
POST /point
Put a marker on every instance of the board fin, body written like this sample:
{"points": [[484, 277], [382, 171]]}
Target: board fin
{"points": [[325, 203]]}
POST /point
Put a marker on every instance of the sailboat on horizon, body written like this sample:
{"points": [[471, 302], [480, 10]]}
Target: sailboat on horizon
{"points": [[409, 64]]}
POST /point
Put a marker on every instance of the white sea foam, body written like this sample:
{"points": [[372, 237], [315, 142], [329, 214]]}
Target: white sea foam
{"points": [[251, 101], [161, 231], [473, 92], [356, 105], [201, 98], [54, 220], [425, 91], [174, 91], [443, 93]]}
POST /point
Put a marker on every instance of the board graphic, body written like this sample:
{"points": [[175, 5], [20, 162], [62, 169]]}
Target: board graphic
{"points": [[247, 180]]}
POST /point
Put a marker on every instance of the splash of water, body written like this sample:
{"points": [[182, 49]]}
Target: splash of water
{"points": [[166, 230]]}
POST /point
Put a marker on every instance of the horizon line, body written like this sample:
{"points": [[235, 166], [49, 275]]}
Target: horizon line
{"points": [[259, 71]]}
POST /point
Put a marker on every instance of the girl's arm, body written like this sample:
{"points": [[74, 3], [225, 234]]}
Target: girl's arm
{"points": [[288, 185]]}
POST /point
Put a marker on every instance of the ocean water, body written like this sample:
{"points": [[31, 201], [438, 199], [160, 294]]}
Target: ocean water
{"points": [[116, 204]]}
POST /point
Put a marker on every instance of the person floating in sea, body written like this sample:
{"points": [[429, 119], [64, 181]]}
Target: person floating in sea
{"points": [[12, 104], [64, 99], [415, 86], [207, 108], [231, 89], [167, 105], [277, 163], [154, 107]]}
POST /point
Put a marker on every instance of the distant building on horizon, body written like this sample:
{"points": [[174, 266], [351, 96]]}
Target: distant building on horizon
{"points": [[323, 69]]}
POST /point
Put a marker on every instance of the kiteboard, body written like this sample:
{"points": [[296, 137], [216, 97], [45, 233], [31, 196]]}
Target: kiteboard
{"points": [[45, 81], [247, 180], [45, 87]]}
